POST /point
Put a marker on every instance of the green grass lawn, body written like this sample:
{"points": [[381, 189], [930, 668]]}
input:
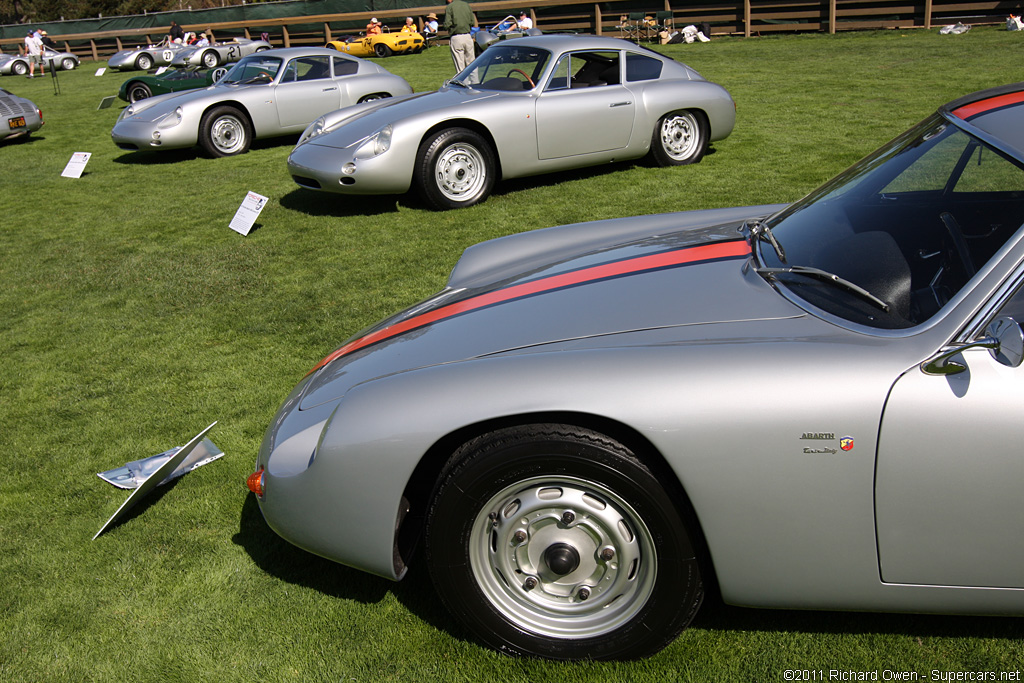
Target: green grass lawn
{"points": [[131, 317]]}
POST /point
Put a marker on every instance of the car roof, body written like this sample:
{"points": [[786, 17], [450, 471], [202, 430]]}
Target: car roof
{"points": [[287, 52], [995, 115], [561, 42]]}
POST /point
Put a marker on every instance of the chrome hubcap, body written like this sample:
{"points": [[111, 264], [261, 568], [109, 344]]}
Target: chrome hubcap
{"points": [[228, 134], [680, 136], [460, 172], [563, 557]]}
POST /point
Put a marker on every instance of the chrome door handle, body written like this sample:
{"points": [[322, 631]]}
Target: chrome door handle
{"points": [[621, 104]]}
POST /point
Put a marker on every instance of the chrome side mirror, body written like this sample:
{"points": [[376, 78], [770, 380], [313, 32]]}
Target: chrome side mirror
{"points": [[1004, 339]]}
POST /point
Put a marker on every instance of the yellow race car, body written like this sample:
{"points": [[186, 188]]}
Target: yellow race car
{"points": [[381, 44]]}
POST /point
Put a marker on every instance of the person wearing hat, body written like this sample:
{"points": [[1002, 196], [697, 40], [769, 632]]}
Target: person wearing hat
{"points": [[34, 50], [525, 22], [430, 26], [458, 19], [373, 28], [47, 40]]}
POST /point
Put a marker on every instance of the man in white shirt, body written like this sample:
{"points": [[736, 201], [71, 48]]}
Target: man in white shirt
{"points": [[34, 50], [525, 22]]}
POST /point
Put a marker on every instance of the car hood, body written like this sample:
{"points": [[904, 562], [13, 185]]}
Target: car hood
{"points": [[152, 108], [367, 119], [683, 281]]}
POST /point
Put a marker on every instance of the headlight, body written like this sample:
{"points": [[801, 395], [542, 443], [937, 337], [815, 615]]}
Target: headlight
{"points": [[170, 120], [316, 128], [376, 144], [126, 112]]}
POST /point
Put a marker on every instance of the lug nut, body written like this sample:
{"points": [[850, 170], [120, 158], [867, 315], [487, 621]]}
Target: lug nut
{"points": [[607, 554], [583, 594], [530, 583], [568, 517], [519, 536]]}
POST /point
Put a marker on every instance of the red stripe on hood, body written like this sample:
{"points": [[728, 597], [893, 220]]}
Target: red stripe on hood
{"points": [[669, 259], [980, 107]]}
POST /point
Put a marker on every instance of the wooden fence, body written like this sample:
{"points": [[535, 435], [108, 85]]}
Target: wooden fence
{"points": [[723, 17]]}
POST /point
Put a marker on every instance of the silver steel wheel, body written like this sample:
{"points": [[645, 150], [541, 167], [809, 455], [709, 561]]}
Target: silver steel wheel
{"points": [[20, 68], [680, 136], [460, 172], [144, 62], [210, 59], [228, 134], [563, 557], [68, 64]]}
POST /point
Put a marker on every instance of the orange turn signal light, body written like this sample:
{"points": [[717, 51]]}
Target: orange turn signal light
{"points": [[255, 483]]}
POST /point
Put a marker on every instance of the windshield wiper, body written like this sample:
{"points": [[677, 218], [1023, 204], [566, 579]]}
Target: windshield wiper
{"points": [[759, 230], [827, 277]]}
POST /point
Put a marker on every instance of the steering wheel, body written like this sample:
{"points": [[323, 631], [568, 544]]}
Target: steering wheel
{"points": [[526, 76], [959, 243]]}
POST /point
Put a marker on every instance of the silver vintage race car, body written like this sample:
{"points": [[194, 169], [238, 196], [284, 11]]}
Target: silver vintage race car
{"points": [[524, 107], [214, 55], [807, 406], [17, 65], [276, 92], [19, 115], [145, 58]]}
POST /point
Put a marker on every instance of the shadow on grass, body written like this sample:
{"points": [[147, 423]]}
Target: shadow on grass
{"points": [[147, 501], [158, 158], [314, 203]]}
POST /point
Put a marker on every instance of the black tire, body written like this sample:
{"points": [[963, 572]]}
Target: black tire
{"points": [[680, 138], [373, 97], [454, 169], [138, 91], [381, 50], [555, 541], [210, 59], [19, 68], [68, 64], [143, 62], [225, 131]]}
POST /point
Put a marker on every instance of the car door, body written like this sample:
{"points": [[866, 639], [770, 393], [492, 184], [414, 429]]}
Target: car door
{"points": [[306, 91], [949, 509], [584, 107]]}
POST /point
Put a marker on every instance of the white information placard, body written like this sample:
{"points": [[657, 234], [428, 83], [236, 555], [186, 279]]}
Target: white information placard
{"points": [[161, 70], [248, 212], [100, 71], [76, 166]]}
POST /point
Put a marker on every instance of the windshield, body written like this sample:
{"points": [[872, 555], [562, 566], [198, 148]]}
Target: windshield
{"points": [[253, 69], [910, 225], [505, 67]]}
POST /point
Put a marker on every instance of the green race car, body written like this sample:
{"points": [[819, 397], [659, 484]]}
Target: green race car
{"points": [[140, 87]]}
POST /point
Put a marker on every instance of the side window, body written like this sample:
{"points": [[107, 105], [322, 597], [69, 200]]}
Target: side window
{"points": [[308, 69], [585, 70], [642, 67], [344, 67]]}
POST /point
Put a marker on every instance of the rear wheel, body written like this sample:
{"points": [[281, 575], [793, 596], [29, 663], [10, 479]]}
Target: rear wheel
{"points": [[138, 91], [373, 97], [680, 138], [144, 62], [381, 50], [68, 64], [454, 169], [224, 132], [556, 541]]}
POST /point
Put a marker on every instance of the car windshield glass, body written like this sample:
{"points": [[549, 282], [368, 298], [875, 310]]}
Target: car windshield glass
{"points": [[909, 225], [253, 69], [506, 67]]}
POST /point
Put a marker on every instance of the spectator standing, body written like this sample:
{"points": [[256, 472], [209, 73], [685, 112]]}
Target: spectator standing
{"points": [[458, 19], [525, 22], [34, 50], [47, 40], [176, 34]]}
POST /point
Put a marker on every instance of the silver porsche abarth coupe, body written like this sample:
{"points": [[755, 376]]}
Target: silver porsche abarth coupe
{"points": [[211, 56], [277, 92], [807, 406], [19, 115], [525, 106], [145, 58], [17, 65]]}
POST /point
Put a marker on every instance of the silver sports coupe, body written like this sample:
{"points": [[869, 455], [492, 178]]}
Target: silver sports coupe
{"points": [[524, 107], [20, 116], [214, 55], [17, 65], [806, 406], [276, 92], [145, 58]]}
